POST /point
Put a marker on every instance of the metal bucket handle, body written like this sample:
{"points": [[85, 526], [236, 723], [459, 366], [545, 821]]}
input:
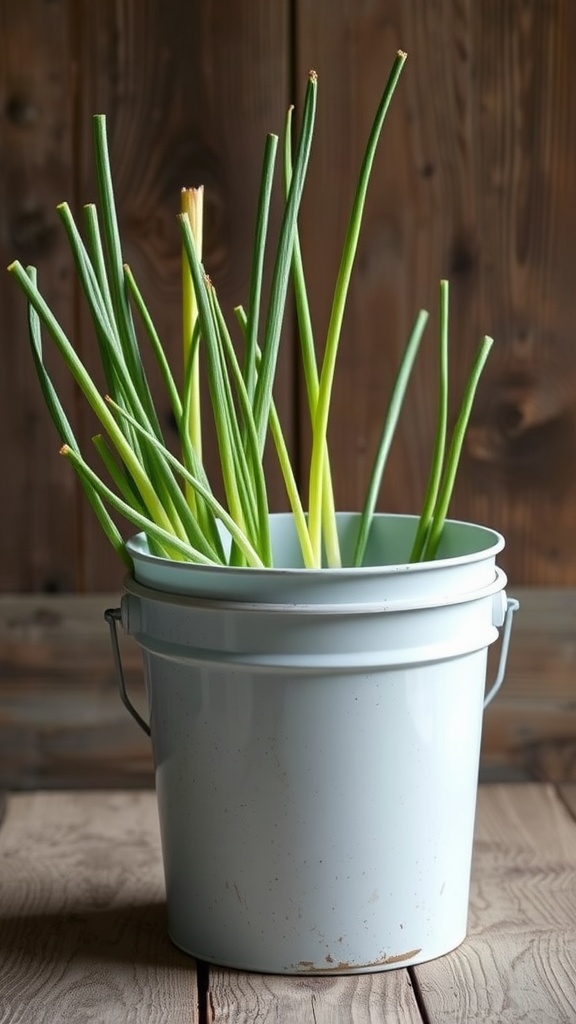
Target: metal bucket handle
{"points": [[114, 615], [512, 605]]}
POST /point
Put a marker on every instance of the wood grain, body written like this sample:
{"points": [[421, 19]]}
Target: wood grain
{"points": [[240, 998], [61, 719], [519, 961], [531, 726], [190, 92], [568, 794], [472, 182], [83, 930], [82, 926], [351, 46], [37, 539]]}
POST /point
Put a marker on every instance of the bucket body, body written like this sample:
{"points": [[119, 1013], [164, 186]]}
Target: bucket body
{"points": [[316, 740]]}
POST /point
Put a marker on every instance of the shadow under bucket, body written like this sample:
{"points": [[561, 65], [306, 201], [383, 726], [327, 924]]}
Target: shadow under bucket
{"points": [[316, 739]]}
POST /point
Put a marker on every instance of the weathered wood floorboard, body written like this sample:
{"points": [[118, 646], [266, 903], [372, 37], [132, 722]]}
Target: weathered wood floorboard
{"points": [[568, 794], [239, 998], [518, 965], [83, 929], [82, 915]]}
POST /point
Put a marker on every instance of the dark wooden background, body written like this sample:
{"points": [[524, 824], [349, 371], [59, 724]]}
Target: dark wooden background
{"points": [[475, 181]]}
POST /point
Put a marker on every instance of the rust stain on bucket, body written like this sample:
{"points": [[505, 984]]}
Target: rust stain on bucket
{"points": [[344, 966]]}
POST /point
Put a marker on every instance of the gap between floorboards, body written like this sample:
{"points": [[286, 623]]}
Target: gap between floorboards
{"points": [[418, 996]]}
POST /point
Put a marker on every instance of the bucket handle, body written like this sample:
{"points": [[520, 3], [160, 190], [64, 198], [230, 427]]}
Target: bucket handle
{"points": [[112, 616], [512, 605]]}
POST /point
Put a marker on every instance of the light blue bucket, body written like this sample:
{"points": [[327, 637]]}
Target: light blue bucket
{"points": [[316, 739]]}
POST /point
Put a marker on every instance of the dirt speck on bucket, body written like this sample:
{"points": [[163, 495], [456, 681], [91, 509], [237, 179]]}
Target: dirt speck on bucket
{"points": [[346, 967]]}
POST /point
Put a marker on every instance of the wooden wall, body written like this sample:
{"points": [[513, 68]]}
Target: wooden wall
{"points": [[190, 90], [474, 181]]}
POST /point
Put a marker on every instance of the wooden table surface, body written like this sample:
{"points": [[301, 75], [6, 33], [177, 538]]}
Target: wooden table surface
{"points": [[83, 930]]}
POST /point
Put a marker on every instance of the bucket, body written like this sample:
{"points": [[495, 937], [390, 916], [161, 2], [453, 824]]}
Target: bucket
{"points": [[316, 738]]}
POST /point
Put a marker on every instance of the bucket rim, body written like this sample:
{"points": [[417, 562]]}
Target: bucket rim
{"points": [[136, 547], [143, 592]]}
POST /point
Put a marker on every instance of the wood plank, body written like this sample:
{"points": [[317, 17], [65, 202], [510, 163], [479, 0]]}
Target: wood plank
{"points": [[473, 182], [37, 540], [190, 90], [82, 925], [532, 723], [480, 188], [61, 719], [519, 961], [568, 794], [543, 643], [351, 47], [236, 997]]}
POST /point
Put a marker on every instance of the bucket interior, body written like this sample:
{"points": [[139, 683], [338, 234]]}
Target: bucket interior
{"points": [[465, 548]]}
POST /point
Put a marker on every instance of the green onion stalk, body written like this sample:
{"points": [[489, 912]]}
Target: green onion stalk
{"points": [[133, 474], [192, 207]]}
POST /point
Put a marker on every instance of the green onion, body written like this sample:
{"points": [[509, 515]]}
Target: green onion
{"points": [[173, 546], [219, 511], [169, 495], [309, 364], [453, 457], [440, 440], [388, 431], [141, 479], [262, 217], [320, 426], [115, 266], [281, 271], [192, 207]]}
